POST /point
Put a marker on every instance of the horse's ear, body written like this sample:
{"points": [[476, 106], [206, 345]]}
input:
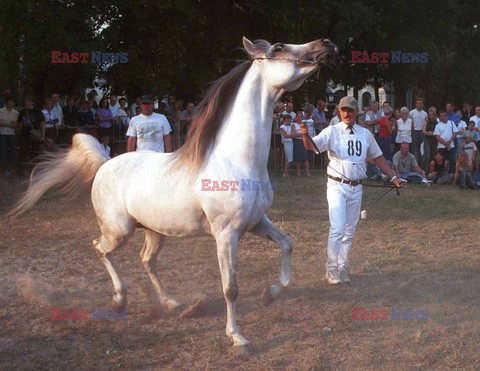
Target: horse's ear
{"points": [[257, 48], [249, 47]]}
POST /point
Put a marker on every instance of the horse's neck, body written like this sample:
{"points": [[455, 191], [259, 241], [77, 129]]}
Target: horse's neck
{"points": [[244, 139]]}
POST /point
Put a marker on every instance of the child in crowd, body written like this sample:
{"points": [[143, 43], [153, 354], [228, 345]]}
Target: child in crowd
{"points": [[463, 173], [104, 144], [470, 148], [286, 131], [438, 170]]}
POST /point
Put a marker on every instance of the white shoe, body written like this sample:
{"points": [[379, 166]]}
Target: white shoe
{"points": [[343, 275], [332, 277]]}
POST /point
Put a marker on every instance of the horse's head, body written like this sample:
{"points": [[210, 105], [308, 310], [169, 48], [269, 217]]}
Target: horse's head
{"points": [[286, 66]]}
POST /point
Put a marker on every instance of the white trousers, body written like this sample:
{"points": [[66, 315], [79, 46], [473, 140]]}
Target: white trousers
{"points": [[344, 204]]}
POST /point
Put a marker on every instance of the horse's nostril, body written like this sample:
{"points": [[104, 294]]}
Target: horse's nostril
{"points": [[326, 41]]}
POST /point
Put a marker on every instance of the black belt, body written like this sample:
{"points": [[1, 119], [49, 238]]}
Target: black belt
{"points": [[349, 182]]}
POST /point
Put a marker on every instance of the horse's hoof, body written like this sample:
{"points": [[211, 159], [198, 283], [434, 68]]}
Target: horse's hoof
{"points": [[116, 306], [194, 308], [267, 297], [244, 350]]}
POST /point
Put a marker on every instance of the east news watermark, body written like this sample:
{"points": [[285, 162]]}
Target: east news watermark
{"points": [[396, 314], [243, 185], [396, 56], [92, 57]]}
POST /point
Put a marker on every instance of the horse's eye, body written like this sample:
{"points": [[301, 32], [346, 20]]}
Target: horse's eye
{"points": [[278, 47]]}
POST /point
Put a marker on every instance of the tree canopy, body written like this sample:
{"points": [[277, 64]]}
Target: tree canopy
{"points": [[179, 46]]}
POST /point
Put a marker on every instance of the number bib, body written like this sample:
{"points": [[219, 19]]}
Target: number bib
{"points": [[353, 147]]}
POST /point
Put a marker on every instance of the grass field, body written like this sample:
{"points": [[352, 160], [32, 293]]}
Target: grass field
{"points": [[418, 251]]}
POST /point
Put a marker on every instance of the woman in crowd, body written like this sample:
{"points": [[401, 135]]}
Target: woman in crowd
{"points": [[105, 119], [87, 119], [429, 142], [300, 154], [385, 133], [404, 131]]}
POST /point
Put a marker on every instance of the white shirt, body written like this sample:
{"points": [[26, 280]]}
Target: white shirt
{"points": [[123, 117], [476, 120], [7, 117], [149, 131], [461, 125], [114, 109], [334, 121], [311, 126], [404, 132], [288, 130], [445, 131], [105, 150], [292, 114], [347, 152], [418, 118], [58, 113], [49, 117]]}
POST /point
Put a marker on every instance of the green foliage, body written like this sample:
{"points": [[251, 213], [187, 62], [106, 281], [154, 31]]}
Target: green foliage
{"points": [[178, 46]]}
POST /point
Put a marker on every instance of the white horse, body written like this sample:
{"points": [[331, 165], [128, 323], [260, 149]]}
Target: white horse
{"points": [[161, 193]]}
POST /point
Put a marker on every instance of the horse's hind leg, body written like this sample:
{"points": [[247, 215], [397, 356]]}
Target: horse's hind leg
{"points": [[266, 229], [104, 247], [154, 242]]}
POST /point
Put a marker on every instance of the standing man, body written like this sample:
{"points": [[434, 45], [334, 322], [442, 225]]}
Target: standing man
{"points": [[445, 133], [57, 108], [348, 145], [373, 119], [418, 116], [289, 110], [8, 124], [319, 116], [149, 131]]}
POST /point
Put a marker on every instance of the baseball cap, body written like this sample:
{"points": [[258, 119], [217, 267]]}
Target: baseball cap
{"points": [[146, 99], [348, 102]]}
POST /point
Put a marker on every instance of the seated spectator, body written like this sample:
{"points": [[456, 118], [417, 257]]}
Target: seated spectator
{"points": [[287, 135], [8, 124], [374, 172], [385, 133], [49, 145], [463, 172], [406, 167], [404, 129], [438, 172]]}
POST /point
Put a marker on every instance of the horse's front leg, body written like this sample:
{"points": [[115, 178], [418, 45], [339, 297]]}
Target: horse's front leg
{"points": [[266, 229], [227, 242]]}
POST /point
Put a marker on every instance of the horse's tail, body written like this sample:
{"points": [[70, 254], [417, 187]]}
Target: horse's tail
{"points": [[73, 170]]}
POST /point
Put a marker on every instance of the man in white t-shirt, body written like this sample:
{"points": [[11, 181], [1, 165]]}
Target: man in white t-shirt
{"points": [[348, 145], [149, 131], [289, 110], [445, 133], [418, 116], [476, 119]]}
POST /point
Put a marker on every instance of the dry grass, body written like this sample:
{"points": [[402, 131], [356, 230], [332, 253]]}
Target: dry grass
{"points": [[417, 251]]}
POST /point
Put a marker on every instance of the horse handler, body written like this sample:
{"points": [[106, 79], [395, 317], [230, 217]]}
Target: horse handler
{"points": [[348, 145]]}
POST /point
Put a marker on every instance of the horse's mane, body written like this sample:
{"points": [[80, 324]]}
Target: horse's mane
{"points": [[208, 120]]}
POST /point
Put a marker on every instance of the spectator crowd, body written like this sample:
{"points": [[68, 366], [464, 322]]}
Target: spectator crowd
{"points": [[438, 145], [434, 146]]}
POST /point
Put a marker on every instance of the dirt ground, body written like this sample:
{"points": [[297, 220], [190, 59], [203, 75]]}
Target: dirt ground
{"points": [[415, 252]]}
